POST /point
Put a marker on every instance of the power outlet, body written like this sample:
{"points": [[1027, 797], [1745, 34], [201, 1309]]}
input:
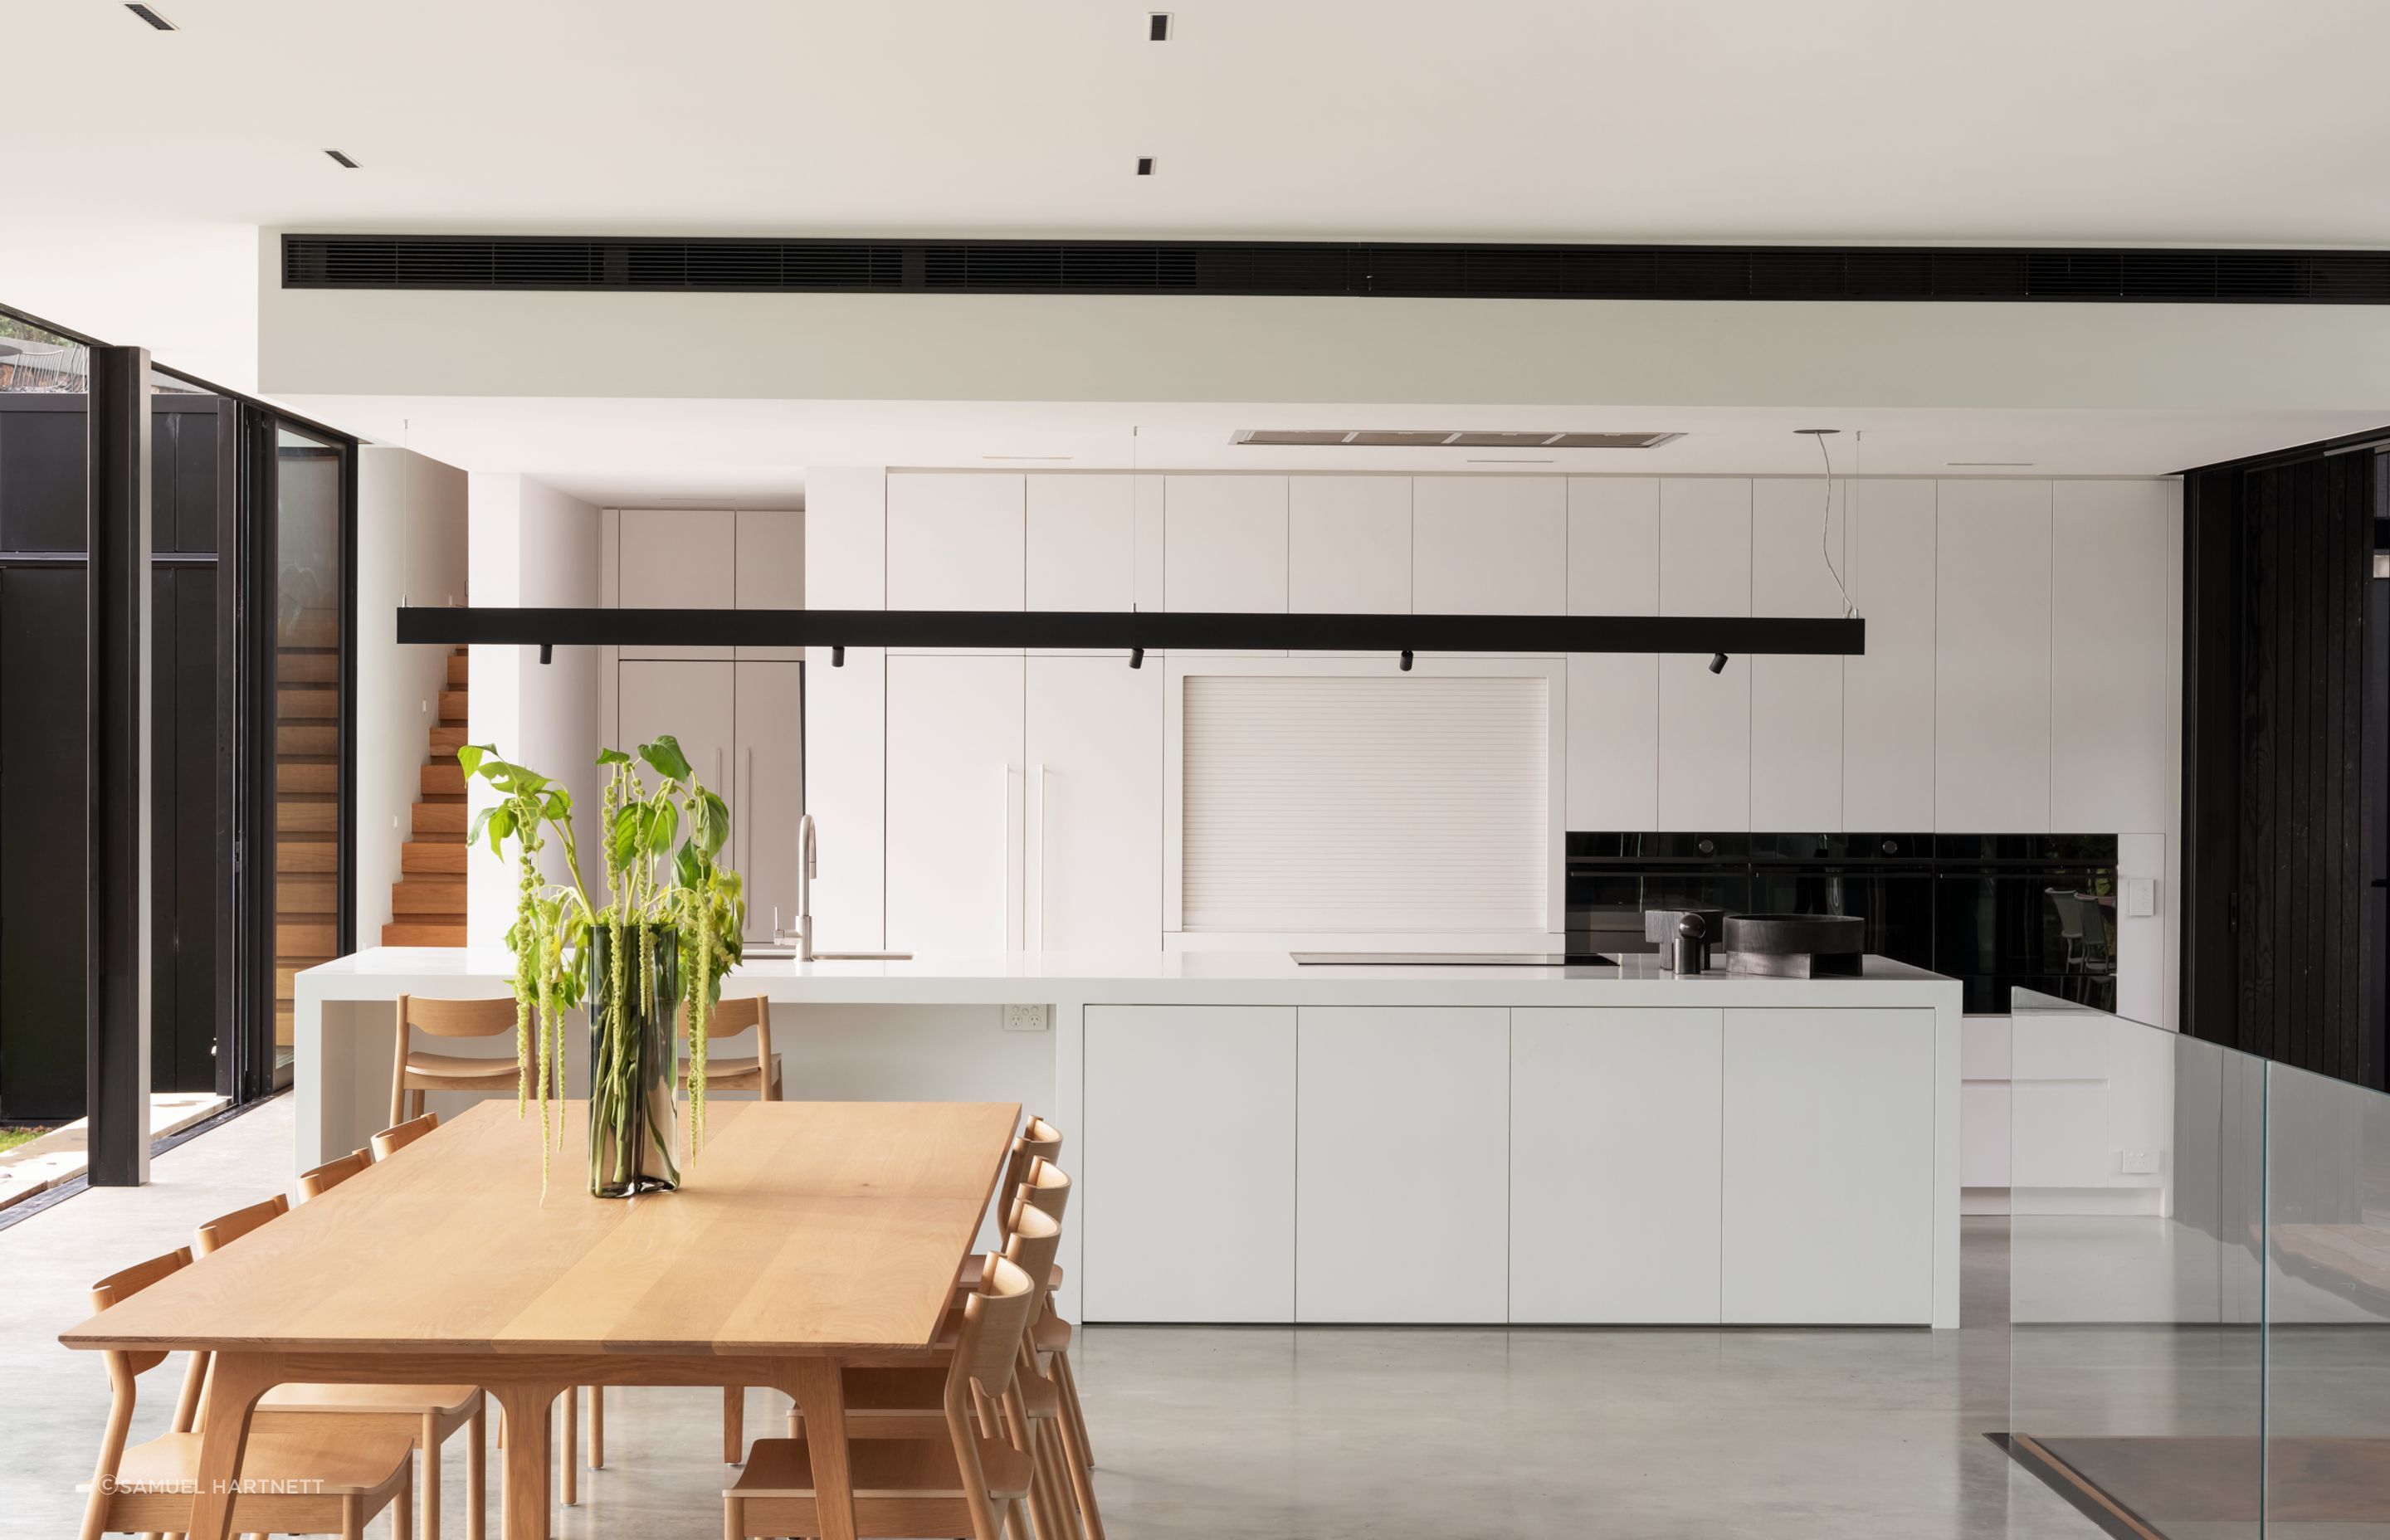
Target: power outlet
{"points": [[2137, 1163], [1025, 1017]]}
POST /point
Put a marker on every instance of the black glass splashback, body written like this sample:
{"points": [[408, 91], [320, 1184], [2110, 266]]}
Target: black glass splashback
{"points": [[1994, 911]]}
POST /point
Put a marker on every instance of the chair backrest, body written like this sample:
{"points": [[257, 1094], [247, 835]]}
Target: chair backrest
{"points": [[1034, 1243], [1046, 1189], [457, 1018], [390, 1141], [116, 1288], [331, 1174], [225, 1229], [2093, 917], [2070, 919], [996, 1315], [730, 1017], [1038, 1140]]}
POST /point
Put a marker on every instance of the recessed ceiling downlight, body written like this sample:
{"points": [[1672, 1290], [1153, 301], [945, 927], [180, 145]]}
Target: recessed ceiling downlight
{"points": [[1439, 438], [146, 14], [341, 160]]}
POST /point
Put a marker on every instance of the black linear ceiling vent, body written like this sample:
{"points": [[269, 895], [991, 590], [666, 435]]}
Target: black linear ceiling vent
{"points": [[1411, 270], [1438, 438]]}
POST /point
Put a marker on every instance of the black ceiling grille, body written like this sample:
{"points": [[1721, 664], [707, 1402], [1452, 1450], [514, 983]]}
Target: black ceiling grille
{"points": [[1400, 269]]}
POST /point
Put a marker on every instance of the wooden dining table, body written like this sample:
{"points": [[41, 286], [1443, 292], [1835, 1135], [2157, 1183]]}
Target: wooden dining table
{"points": [[807, 1236]]}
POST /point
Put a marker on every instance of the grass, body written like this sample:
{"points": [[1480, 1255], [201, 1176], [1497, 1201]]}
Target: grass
{"points": [[11, 1137]]}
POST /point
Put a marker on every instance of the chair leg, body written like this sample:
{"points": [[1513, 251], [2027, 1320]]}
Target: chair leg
{"points": [[1077, 1465], [1065, 1507], [352, 1519], [568, 1469], [1016, 1526], [477, 1473], [428, 1441], [402, 1504], [733, 1425], [734, 1518], [596, 1426], [1069, 1385]]}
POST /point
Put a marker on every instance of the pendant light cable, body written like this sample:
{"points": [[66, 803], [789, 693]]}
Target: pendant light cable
{"points": [[1826, 528]]}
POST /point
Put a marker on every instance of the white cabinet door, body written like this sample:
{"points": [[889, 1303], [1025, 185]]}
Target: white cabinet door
{"points": [[1829, 1174], [1349, 545], [846, 790], [1613, 698], [1704, 717], [1888, 691], [2114, 760], [1224, 542], [1991, 743], [1595, 1096], [1188, 1152], [1082, 542], [1402, 1208], [954, 804], [1489, 545], [678, 559], [955, 541], [1094, 763], [846, 537], [767, 795], [1796, 703], [692, 700], [771, 570]]}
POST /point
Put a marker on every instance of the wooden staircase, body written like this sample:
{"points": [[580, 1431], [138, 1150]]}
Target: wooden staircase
{"points": [[427, 902], [306, 805]]}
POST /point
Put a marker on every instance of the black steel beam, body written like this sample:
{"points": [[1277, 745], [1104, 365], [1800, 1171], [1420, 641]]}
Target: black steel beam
{"points": [[117, 807], [1732, 635]]}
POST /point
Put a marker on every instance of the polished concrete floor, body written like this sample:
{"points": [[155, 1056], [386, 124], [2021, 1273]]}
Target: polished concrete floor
{"points": [[1230, 1433]]}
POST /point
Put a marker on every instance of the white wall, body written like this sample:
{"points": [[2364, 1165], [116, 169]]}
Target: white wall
{"points": [[531, 544], [411, 549]]}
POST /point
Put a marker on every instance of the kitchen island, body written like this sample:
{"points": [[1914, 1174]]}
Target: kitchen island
{"points": [[1599, 1145]]}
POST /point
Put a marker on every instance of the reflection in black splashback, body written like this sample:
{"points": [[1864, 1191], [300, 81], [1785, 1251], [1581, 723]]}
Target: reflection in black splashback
{"points": [[1994, 911]]}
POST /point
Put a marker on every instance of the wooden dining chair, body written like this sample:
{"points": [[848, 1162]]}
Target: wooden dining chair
{"points": [[969, 1479], [1038, 1140], [730, 1018], [320, 1477], [331, 1174], [390, 1140], [427, 1415], [413, 1074]]}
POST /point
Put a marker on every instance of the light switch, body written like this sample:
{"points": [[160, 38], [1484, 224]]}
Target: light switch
{"points": [[2141, 897]]}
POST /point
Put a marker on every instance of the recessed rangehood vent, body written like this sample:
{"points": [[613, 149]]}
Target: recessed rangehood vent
{"points": [[1378, 438]]}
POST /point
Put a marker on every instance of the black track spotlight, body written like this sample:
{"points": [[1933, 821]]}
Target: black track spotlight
{"points": [[1717, 662], [1407, 659], [838, 657], [548, 652], [1137, 657]]}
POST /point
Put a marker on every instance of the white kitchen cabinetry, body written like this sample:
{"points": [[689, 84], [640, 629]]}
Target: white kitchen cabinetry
{"points": [[1189, 1151], [1613, 698], [1224, 544], [2113, 761], [1349, 545], [1489, 545], [846, 791], [1614, 1091], [1992, 664], [1830, 1158], [676, 558], [1796, 702], [1402, 1209], [766, 791], [955, 541], [1082, 542], [1704, 717], [955, 803], [770, 572], [1093, 871], [692, 700], [1888, 692]]}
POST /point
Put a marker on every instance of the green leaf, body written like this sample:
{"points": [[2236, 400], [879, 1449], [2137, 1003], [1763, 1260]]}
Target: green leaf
{"points": [[663, 827], [710, 824], [626, 842], [502, 824], [612, 756], [689, 866], [473, 834], [665, 756], [556, 805], [470, 756]]}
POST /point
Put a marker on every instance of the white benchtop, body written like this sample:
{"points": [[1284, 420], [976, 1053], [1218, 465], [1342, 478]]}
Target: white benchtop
{"points": [[1150, 977]]}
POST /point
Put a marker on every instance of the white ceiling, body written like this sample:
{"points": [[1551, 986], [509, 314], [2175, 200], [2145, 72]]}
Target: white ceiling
{"points": [[755, 453], [2174, 120]]}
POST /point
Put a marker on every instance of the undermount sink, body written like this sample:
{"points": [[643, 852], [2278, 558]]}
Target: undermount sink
{"points": [[1452, 959]]}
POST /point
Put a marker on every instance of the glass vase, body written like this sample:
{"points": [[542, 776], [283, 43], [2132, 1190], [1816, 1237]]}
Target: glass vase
{"points": [[634, 1086]]}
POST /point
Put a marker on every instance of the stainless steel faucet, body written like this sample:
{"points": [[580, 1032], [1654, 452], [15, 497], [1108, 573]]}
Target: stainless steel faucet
{"points": [[808, 863]]}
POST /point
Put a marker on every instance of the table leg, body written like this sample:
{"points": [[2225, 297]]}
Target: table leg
{"points": [[822, 1397], [526, 1408], [234, 1385]]}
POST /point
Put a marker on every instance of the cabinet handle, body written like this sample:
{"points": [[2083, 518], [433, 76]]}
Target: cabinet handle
{"points": [[1036, 902]]}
